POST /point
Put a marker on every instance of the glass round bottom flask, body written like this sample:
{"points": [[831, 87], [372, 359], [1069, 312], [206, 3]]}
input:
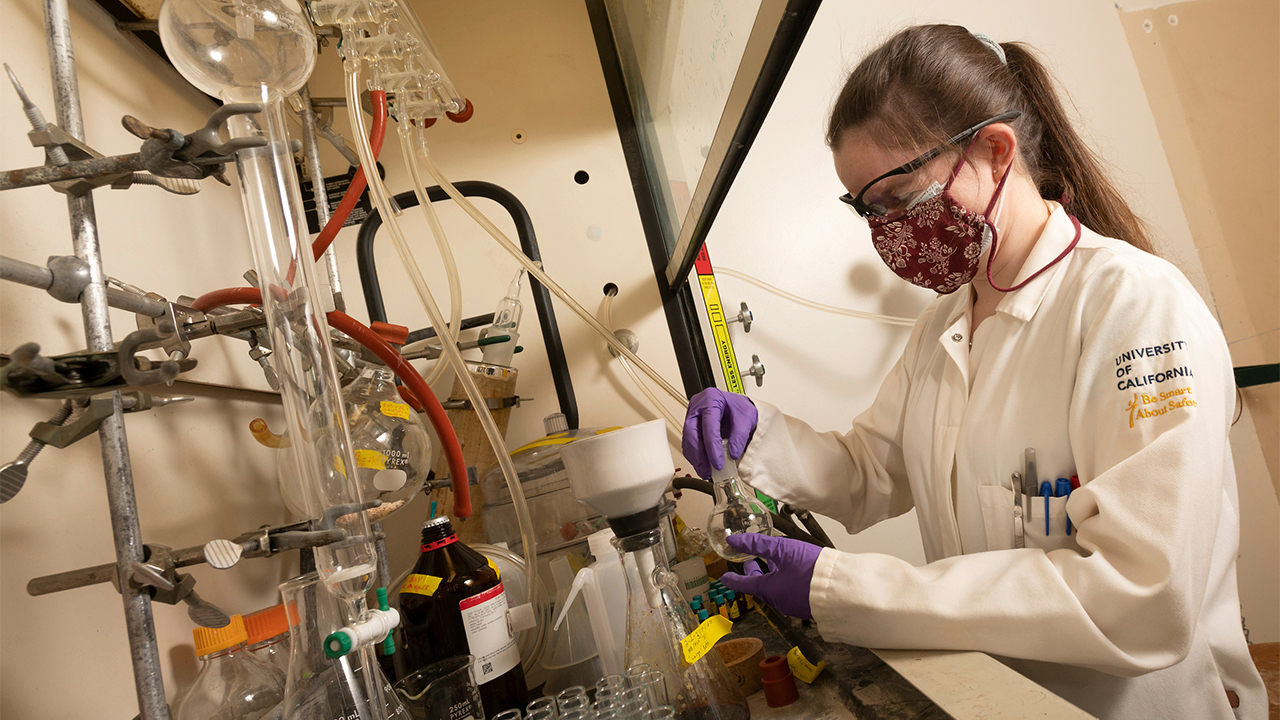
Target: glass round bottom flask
{"points": [[658, 618], [736, 512]]}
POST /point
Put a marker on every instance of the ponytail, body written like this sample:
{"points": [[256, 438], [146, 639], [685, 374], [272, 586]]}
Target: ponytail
{"points": [[1064, 166], [929, 82]]}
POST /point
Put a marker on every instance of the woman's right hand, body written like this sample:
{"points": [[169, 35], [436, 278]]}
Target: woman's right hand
{"points": [[715, 414]]}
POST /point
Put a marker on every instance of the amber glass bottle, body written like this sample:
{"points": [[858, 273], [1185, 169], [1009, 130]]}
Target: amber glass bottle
{"points": [[453, 604]]}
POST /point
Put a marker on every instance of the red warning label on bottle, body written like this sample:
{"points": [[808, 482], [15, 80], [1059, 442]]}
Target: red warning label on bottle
{"points": [[489, 636]]}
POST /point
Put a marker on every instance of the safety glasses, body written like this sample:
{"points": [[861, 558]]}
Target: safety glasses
{"points": [[884, 207]]}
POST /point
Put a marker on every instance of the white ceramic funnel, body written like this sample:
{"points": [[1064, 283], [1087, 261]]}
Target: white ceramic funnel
{"points": [[620, 473]]}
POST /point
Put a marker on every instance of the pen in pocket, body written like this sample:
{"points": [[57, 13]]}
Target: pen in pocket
{"points": [[1063, 489]]}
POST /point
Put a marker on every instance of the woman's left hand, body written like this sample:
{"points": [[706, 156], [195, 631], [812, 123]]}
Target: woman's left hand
{"points": [[786, 586]]}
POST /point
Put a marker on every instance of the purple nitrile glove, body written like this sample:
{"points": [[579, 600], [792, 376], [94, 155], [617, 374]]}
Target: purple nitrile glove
{"points": [[786, 585], [715, 414]]}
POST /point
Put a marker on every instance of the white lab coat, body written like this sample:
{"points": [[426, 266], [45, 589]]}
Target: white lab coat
{"points": [[1112, 368]]}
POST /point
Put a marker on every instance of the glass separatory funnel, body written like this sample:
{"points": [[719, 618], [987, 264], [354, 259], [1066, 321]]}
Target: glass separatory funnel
{"points": [[736, 511], [622, 475], [393, 447], [316, 687]]}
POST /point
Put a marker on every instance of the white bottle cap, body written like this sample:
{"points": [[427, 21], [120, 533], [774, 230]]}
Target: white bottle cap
{"points": [[555, 423], [600, 545]]}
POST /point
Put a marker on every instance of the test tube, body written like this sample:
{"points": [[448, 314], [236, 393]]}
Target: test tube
{"points": [[610, 681], [577, 702], [633, 710], [543, 707], [569, 693], [633, 694], [655, 690], [635, 671], [513, 714], [666, 712]]}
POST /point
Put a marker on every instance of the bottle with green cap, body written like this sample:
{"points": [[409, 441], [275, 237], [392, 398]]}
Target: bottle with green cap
{"points": [[453, 603], [231, 683]]}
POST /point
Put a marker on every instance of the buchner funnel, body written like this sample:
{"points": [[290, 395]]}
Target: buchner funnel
{"points": [[622, 475]]}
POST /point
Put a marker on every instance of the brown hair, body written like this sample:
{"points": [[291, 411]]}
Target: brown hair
{"points": [[929, 82]]}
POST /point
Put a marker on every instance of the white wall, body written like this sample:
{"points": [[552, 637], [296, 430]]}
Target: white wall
{"points": [[525, 66], [782, 223]]}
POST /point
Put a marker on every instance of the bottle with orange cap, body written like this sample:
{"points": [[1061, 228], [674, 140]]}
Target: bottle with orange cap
{"points": [[268, 641], [232, 684]]}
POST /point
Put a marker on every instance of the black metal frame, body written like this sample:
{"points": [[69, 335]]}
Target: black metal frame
{"points": [[528, 242], [678, 302], [792, 29]]}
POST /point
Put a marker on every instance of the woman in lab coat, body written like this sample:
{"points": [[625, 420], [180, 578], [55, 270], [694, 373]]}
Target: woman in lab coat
{"points": [[1056, 329]]}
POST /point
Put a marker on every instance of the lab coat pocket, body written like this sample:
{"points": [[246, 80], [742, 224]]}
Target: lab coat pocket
{"points": [[998, 517], [1057, 537]]}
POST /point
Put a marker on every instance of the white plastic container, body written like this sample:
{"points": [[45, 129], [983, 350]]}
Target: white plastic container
{"points": [[604, 590]]}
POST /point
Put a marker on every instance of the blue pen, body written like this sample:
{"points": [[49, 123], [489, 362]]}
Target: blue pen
{"points": [[1063, 490], [1046, 491], [433, 509]]}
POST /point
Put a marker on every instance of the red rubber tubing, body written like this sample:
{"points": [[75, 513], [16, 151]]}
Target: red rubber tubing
{"points": [[410, 376], [227, 296], [407, 373], [348, 203]]}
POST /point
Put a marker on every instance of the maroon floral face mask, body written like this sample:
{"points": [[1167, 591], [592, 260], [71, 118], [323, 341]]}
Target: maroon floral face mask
{"points": [[936, 242]]}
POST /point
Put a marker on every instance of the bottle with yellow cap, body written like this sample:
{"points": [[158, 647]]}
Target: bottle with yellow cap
{"points": [[232, 684], [268, 641]]}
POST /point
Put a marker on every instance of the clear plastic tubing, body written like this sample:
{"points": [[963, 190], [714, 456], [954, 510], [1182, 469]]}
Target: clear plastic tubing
{"points": [[448, 340], [550, 284], [411, 138], [821, 307], [607, 312]]}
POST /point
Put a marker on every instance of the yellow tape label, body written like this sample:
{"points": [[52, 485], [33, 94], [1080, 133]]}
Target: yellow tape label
{"points": [[394, 409], [563, 438], [802, 668], [700, 641], [371, 460], [720, 330], [496, 571], [420, 585]]}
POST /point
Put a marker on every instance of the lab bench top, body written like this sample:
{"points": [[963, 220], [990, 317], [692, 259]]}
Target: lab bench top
{"points": [[855, 683], [896, 684]]}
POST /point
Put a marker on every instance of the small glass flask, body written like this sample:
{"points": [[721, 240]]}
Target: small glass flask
{"points": [[736, 511]]}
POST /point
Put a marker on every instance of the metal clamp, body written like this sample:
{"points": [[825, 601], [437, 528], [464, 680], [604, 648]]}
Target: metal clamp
{"points": [[745, 316], [162, 332], [492, 403], [96, 409], [159, 578], [756, 371], [14, 475]]}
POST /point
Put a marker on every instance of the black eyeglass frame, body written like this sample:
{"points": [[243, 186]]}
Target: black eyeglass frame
{"points": [[865, 210]]}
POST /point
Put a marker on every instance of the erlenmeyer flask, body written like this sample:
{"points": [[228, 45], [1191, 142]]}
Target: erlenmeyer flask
{"points": [[658, 618], [316, 687]]}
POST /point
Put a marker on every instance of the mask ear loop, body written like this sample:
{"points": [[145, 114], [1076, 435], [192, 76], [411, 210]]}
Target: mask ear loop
{"points": [[995, 239]]}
